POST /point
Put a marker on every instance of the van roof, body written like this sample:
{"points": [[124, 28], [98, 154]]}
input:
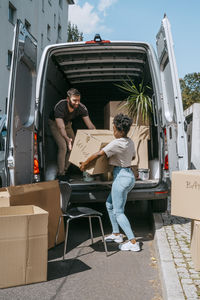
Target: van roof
{"points": [[87, 63]]}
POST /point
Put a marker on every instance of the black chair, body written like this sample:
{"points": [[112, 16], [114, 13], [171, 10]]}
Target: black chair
{"points": [[75, 213]]}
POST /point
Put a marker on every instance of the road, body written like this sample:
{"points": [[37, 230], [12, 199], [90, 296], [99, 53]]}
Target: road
{"points": [[88, 274]]}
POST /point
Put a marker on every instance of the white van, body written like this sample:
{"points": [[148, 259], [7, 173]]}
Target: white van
{"points": [[93, 68]]}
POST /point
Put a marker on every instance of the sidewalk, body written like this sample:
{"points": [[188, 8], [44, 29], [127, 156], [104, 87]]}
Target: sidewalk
{"points": [[179, 279]]}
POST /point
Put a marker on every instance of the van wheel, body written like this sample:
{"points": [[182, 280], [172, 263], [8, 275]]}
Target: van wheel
{"points": [[159, 205]]}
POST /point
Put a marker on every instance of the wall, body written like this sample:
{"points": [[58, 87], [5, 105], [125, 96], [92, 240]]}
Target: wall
{"points": [[39, 14]]}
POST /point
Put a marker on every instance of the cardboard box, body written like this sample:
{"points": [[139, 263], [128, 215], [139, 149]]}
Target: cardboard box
{"points": [[46, 195], [113, 108], [195, 244], [86, 143], [185, 194], [23, 245], [140, 136]]}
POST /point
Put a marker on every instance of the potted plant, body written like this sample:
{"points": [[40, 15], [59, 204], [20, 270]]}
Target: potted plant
{"points": [[138, 102]]}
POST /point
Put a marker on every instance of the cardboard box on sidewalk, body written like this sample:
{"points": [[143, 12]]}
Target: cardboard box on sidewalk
{"points": [[88, 142], [185, 194], [195, 244], [23, 245], [46, 195]]}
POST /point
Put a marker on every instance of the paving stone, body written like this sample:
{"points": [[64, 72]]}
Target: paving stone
{"points": [[186, 281], [190, 291], [197, 282], [193, 271]]}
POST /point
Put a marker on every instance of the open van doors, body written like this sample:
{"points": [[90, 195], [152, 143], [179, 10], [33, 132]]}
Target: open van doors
{"points": [[21, 107], [172, 100]]}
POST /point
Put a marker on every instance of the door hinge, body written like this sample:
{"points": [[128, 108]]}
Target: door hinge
{"points": [[10, 162]]}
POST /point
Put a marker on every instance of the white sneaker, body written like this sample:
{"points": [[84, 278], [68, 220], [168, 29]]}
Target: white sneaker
{"points": [[130, 247], [114, 238]]}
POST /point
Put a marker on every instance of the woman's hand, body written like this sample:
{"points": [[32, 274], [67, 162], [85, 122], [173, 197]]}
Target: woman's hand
{"points": [[83, 166]]}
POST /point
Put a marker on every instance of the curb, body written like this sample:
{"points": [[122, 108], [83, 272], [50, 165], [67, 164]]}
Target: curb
{"points": [[171, 286]]}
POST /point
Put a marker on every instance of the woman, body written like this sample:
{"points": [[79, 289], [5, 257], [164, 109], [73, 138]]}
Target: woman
{"points": [[120, 153]]}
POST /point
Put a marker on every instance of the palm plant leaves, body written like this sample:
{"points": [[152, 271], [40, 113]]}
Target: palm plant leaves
{"points": [[138, 103]]}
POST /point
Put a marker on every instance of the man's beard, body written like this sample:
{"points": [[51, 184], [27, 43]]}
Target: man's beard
{"points": [[74, 106]]}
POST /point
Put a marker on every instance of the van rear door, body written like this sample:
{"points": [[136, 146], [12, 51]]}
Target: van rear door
{"points": [[172, 100], [21, 107]]}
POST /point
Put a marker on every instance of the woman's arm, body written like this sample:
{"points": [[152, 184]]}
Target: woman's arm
{"points": [[84, 165]]}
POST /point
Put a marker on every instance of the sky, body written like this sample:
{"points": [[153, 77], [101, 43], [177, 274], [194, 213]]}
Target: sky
{"points": [[140, 20]]}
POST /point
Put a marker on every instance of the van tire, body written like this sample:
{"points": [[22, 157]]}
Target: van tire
{"points": [[159, 205]]}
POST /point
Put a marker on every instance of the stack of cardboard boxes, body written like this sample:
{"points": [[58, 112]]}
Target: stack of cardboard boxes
{"points": [[185, 202], [29, 216]]}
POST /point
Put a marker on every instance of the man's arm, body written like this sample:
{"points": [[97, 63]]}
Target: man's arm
{"points": [[61, 126], [88, 122]]}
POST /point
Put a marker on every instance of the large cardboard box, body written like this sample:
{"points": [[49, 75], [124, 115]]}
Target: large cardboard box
{"points": [[185, 194], [139, 134], [113, 108], [23, 245], [46, 195], [86, 143], [195, 244]]}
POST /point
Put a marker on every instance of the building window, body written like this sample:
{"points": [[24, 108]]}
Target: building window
{"points": [[42, 41], [11, 13], [54, 20], [59, 32], [49, 2], [9, 59], [48, 32], [27, 25], [43, 5], [61, 3]]}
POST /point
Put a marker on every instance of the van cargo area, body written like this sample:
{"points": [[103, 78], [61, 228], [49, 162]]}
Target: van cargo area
{"points": [[95, 69]]}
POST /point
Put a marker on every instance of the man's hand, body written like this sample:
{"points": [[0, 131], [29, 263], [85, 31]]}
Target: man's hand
{"points": [[69, 143]]}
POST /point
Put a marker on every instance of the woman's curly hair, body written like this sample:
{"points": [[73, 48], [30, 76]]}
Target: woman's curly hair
{"points": [[122, 123]]}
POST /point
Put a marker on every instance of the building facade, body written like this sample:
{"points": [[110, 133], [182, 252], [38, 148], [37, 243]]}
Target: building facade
{"points": [[46, 20]]}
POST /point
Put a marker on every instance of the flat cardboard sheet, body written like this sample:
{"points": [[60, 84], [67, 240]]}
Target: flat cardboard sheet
{"points": [[23, 245]]}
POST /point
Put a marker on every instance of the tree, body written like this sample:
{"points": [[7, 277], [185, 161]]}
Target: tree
{"points": [[190, 88], [74, 35]]}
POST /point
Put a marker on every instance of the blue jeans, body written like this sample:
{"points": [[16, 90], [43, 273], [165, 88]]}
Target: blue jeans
{"points": [[123, 182]]}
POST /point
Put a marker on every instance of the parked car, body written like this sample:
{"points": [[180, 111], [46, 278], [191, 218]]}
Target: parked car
{"points": [[93, 67]]}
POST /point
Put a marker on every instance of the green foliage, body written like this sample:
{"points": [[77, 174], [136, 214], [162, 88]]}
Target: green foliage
{"points": [[73, 34], [190, 88], [138, 102]]}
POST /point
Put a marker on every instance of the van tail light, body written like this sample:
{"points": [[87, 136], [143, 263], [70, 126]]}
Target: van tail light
{"points": [[36, 170], [166, 163]]}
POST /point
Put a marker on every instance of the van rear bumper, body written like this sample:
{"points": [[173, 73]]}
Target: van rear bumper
{"points": [[100, 194]]}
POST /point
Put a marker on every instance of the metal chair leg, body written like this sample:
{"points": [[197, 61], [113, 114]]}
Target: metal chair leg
{"points": [[57, 233], [66, 237], [103, 237], [91, 232]]}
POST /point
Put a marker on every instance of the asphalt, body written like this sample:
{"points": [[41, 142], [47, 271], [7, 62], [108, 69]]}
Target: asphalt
{"points": [[86, 272], [179, 278]]}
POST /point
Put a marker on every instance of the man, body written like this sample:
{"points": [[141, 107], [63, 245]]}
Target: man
{"points": [[60, 124]]}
